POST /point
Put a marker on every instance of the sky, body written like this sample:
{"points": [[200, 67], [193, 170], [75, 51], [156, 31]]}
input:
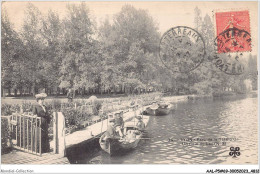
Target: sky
{"points": [[166, 14]]}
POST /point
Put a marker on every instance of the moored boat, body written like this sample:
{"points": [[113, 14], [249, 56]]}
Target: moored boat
{"points": [[115, 146], [158, 109]]}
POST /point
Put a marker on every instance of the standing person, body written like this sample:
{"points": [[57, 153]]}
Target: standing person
{"points": [[40, 110], [70, 95]]}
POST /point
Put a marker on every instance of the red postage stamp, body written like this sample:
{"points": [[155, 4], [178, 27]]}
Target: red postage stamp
{"points": [[233, 31]]}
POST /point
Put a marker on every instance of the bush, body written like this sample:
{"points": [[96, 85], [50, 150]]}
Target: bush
{"points": [[7, 109], [75, 117], [27, 107], [97, 105], [5, 136]]}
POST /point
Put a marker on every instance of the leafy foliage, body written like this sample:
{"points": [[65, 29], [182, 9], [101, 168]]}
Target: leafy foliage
{"points": [[71, 52]]}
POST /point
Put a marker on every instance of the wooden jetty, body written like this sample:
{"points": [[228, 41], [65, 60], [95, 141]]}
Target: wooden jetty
{"points": [[90, 133], [96, 130], [19, 157]]}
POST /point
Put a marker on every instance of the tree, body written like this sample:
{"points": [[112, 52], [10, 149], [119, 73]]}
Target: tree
{"points": [[12, 51], [251, 72], [33, 48], [80, 54], [129, 43], [51, 32], [197, 19]]}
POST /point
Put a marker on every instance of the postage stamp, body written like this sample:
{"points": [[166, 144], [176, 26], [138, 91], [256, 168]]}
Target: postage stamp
{"points": [[233, 38], [233, 31], [182, 49]]}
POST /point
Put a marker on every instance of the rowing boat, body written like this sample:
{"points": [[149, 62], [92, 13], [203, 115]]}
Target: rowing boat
{"points": [[158, 110], [115, 146]]}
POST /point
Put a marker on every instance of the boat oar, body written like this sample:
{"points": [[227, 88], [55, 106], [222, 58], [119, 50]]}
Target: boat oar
{"points": [[127, 139]]}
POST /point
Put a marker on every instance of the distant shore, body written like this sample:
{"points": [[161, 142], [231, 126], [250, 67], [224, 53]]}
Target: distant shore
{"points": [[173, 98]]}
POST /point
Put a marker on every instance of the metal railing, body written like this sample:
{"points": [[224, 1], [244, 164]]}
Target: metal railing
{"points": [[26, 132]]}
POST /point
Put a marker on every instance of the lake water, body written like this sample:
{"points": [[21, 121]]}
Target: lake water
{"points": [[197, 132]]}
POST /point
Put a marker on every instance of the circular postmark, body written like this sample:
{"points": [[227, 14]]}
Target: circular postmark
{"points": [[228, 50], [233, 40], [182, 49]]}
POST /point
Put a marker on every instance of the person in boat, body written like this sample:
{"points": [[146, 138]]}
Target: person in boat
{"points": [[140, 124], [154, 105], [162, 105], [119, 123], [111, 130], [110, 133], [40, 110]]}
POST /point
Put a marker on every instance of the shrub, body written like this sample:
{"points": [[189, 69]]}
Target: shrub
{"points": [[7, 109], [97, 106], [5, 136], [76, 116], [27, 106]]}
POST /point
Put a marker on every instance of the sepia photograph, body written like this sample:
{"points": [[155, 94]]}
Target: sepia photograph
{"points": [[95, 83]]}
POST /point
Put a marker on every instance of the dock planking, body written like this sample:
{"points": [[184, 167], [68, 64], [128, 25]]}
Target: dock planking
{"points": [[19, 157]]}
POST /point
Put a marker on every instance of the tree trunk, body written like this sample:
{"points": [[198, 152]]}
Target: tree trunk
{"points": [[58, 91], [131, 90], [33, 89], [9, 92], [74, 93], [24, 91], [114, 89], [21, 91], [3, 92], [15, 92], [121, 89]]}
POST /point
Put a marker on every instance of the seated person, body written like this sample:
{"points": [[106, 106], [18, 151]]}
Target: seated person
{"points": [[119, 123], [162, 105], [111, 130], [110, 133], [154, 105], [110, 116], [140, 124], [130, 136]]}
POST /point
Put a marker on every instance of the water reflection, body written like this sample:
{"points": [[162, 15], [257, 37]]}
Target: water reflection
{"points": [[207, 119]]}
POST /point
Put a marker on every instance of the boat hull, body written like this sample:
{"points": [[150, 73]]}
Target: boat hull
{"points": [[115, 146], [157, 112]]}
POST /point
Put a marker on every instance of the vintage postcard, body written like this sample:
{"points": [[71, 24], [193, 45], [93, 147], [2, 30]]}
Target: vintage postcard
{"points": [[100, 83]]}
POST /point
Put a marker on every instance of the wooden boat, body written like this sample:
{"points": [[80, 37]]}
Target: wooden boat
{"points": [[158, 110], [115, 146]]}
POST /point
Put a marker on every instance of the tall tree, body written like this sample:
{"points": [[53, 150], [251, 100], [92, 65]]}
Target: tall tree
{"points": [[197, 19], [34, 45], [80, 56], [51, 32], [12, 52], [251, 72], [133, 37]]}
